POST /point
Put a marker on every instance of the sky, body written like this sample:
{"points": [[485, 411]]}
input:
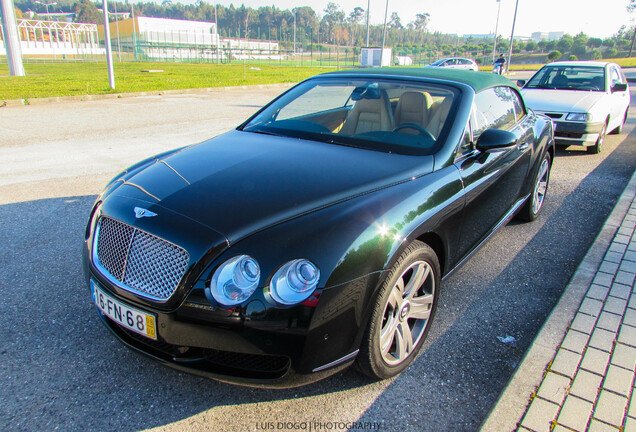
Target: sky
{"points": [[597, 18]]}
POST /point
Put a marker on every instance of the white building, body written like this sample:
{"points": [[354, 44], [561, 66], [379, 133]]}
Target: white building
{"points": [[182, 40], [372, 57]]}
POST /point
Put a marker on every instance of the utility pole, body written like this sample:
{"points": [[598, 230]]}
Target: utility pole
{"points": [[386, 11], [109, 51], [11, 38], [117, 30], [368, 9], [512, 35], [494, 49]]}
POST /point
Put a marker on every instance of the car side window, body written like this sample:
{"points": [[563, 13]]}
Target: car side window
{"points": [[615, 76], [467, 143], [494, 109], [520, 111]]}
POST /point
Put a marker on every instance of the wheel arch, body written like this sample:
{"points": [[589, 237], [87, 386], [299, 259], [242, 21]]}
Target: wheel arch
{"points": [[437, 244]]}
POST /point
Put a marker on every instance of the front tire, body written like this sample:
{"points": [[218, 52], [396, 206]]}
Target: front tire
{"points": [[532, 208], [403, 313], [596, 148]]}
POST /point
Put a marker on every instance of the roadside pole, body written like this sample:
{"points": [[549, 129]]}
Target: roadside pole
{"points": [[11, 38], [109, 52]]}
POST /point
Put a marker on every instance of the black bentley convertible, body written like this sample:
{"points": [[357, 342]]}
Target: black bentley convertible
{"points": [[316, 234]]}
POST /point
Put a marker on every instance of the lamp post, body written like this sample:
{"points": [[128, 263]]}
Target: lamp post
{"points": [[46, 5], [512, 35], [11, 38], [494, 49], [368, 8], [293, 11], [386, 11]]}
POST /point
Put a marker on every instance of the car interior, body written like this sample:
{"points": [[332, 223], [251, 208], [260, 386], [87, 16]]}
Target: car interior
{"points": [[393, 114]]}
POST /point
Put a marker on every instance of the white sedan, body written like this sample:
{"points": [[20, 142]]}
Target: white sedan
{"points": [[584, 99], [455, 63]]}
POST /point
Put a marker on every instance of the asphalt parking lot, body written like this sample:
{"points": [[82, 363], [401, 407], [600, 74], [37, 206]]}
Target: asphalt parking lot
{"points": [[61, 370]]}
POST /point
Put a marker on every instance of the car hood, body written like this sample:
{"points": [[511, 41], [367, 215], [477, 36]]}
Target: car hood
{"points": [[240, 182], [561, 100]]}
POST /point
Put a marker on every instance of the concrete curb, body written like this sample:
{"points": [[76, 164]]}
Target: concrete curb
{"points": [[40, 101], [513, 401]]}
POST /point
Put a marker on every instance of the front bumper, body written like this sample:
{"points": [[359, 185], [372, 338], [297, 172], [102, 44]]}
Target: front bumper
{"points": [[258, 347], [576, 133]]}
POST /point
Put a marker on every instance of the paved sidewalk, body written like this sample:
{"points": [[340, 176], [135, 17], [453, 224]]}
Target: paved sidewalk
{"points": [[579, 373]]}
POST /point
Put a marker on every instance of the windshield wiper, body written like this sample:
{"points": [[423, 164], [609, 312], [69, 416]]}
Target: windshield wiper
{"points": [[262, 132], [541, 86]]}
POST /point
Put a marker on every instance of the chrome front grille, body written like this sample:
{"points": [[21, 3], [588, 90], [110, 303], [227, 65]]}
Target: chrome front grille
{"points": [[138, 261]]}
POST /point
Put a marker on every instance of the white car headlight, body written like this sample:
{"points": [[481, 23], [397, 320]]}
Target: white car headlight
{"points": [[578, 116], [235, 280], [294, 282]]}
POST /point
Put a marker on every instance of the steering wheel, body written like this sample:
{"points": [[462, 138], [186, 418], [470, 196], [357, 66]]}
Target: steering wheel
{"points": [[416, 127]]}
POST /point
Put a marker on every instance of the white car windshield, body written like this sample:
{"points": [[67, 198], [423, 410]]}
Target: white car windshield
{"points": [[585, 78]]}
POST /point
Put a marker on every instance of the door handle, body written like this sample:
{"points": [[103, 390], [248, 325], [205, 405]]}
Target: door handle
{"points": [[524, 146]]}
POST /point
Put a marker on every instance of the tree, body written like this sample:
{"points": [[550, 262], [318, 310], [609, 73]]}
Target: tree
{"points": [[596, 54], [531, 46], [396, 22], [18, 13], [421, 22], [580, 40], [86, 12], [541, 45], [554, 55], [594, 42], [565, 43], [579, 50], [357, 16], [333, 17], [609, 43]]}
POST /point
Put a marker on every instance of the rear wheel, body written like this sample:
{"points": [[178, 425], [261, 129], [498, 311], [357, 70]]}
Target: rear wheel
{"points": [[531, 209], [596, 148], [403, 313]]}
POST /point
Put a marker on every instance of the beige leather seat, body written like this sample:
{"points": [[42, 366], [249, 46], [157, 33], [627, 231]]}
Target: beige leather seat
{"points": [[439, 115], [413, 107], [368, 115]]}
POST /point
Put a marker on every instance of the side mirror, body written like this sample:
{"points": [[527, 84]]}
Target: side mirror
{"points": [[521, 83], [619, 87], [495, 139]]}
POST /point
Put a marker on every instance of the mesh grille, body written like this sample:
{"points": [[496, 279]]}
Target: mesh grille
{"points": [[140, 261]]}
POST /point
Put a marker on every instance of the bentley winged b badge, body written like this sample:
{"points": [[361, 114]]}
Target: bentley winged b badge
{"points": [[142, 212]]}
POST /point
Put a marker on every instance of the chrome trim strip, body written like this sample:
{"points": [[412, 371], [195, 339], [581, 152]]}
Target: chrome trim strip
{"points": [[175, 171], [340, 360], [141, 189], [507, 218]]}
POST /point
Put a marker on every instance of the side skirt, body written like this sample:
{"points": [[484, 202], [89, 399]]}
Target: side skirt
{"points": [[507, 218]]}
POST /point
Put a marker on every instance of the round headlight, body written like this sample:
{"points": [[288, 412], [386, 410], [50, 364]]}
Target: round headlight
{"points": [[294, 282], [235, 280]]}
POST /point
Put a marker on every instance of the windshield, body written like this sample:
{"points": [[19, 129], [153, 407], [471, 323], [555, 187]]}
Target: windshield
{"points": [[438, 62], [383, 115], [586, 78]]}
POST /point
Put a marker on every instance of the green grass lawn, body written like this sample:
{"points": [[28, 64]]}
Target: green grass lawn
{"points": [[74, 79], [91, 78]]}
